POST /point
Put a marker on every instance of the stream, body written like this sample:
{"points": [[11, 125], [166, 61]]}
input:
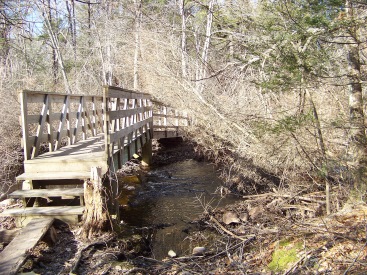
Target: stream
{"points": [[167, 202]]}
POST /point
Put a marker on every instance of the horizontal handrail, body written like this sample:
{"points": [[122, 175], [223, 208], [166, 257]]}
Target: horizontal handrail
{"points": [[123, 117], [53, 120]]}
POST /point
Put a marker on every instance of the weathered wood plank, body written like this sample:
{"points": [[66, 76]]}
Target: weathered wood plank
{"points": [[54, 176], [15, 254], [41, 126], [128, 130], [43, 211], [116, 92], [77, 122], [125, 113], [24, 115], [56, 192], [64, 112]]}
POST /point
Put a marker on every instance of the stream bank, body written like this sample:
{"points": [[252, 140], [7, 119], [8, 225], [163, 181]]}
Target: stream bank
{"points": [[277, 232]]}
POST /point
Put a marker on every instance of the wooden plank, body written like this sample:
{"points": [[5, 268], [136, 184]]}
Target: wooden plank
{"points": [[128, 130], [106, 123], [53, 116], [165, 134], [117, 92], [77, 122], [169, 116], [15, 254], [41, 126], [24, 115], [64, 112], [50, 131], [54, 176], [43, 211], [125, 113], [60, 95], [167, 127], [56, 192]]}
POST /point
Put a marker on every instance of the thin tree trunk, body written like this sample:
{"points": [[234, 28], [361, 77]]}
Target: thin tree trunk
{"points": [[321, 142], [49, 26], [208, 34], [70, 6], [55, 45], [138, 15], [183, 39]]}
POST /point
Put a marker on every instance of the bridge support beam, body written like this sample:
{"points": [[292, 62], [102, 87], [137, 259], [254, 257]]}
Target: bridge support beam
{"points": [[146, 153]]}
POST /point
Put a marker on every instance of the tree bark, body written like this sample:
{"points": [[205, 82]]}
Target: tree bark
{"points": [[357, 141]]}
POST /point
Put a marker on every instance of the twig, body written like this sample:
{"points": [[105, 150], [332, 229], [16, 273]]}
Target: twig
{"points": [[229, 232]]}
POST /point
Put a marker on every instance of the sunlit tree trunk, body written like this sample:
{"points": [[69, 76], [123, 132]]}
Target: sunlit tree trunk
{"points": [[70, 6], [183, 39], [205, 51], [138, 15], [57, 56], [357, 149]]}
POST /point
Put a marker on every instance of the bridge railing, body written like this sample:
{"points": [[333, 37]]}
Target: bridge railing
{"points": [[128, 123], [168, 122], [52, 120]]}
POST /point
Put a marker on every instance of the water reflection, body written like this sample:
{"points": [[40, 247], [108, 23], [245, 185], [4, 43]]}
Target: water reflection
{"points": [[171, 197]]}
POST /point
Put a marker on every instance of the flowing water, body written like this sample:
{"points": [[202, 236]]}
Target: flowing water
{"points": [[168, 201]]}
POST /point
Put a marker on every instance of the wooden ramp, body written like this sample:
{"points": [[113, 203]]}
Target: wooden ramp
{"points": [[15, 253]]}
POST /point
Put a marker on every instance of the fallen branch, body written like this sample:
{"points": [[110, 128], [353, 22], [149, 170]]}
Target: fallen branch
{"points": [[229, 232]]}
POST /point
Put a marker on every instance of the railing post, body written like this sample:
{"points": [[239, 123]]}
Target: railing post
{"points": [[106, 122], [25, 131]]}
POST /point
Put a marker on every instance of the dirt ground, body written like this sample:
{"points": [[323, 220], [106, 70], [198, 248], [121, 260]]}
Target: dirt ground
{"points": [[271, 233]]}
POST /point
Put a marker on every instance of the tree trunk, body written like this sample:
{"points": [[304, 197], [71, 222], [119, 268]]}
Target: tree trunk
{"points": [[138, 15], [70, 6], [357, 142], [49, 25], [95, 216], [183, 39], [56, 51], [205, 51]]}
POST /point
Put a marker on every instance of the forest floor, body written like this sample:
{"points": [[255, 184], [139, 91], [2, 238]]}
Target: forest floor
{"points": [[270, 233]]}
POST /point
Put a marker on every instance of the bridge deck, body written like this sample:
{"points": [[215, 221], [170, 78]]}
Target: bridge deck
{"points": [[72, 161]]}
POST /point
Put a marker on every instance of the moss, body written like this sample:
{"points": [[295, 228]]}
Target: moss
{"points": [[284, 256]]}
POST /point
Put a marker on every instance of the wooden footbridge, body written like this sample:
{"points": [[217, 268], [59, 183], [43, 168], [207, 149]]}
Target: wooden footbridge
{"points": [[65, 135]]}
